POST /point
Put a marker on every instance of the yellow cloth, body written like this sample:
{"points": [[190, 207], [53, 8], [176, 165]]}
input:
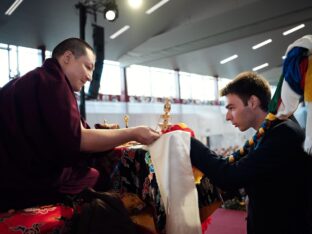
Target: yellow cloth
{"points": [[198, 175], [308, 82]]}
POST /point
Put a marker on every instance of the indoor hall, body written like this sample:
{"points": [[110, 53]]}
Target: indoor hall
{"points": [[160, 64]]}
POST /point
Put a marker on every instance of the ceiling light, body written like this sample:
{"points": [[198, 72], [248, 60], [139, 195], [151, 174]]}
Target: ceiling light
{"points": [[260, 67], [13, 7], [293, 29], [122, 30], [111, 11], [135, 3], [262, 44], [156, 6], [229, 59]]}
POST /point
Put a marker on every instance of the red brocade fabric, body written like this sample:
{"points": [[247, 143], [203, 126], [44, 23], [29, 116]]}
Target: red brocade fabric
{"points": [[43, 219], [180, 126]]}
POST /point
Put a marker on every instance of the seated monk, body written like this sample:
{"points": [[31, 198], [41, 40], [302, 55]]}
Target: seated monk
{"points": [[44, 142]]}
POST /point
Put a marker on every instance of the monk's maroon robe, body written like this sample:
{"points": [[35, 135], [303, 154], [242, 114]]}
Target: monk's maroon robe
{"points": [[39, 135]]}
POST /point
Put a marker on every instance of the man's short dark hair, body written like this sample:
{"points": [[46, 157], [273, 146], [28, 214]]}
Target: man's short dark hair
{"points": [[247, 84], [75, 45]]}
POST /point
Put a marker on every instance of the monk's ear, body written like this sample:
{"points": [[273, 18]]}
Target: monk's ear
{"points": [[67, 56], [254, 102]]}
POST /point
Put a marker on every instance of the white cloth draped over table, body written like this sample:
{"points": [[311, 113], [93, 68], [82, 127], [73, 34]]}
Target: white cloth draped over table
{"points": [[170, 156]]}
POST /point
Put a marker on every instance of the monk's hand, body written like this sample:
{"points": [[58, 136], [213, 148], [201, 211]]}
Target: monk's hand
{"points": [[145, 135]]}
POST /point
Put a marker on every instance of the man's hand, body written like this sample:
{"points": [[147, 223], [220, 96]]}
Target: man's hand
{"points": [[98, 140], [145, 135]]}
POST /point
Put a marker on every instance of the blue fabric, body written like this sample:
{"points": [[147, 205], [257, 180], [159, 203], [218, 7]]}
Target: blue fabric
{"points": [[291, 68]]}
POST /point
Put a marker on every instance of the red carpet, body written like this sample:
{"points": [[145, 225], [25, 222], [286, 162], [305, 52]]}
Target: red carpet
{"points": [[225, 221]]}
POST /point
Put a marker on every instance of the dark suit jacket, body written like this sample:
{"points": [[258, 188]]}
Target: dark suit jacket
{"points": [[275, 176]]}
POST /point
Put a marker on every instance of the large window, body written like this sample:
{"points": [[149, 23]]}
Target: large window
{"points": [[16, 61], [141, 81], [13, 62], [273, 89], [222, 82], [110, 83], [111, 78], [197, 87], [48, 54], [151, 82], [164, 83], [28, 59], [4, 61], [138, 81]]}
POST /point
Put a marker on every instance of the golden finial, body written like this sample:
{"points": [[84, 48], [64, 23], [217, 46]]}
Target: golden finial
{"points": [[166, 116], [126, 119]]}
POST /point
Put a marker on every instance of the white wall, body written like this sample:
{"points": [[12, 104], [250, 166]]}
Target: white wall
{"points": [[204, 120]]}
